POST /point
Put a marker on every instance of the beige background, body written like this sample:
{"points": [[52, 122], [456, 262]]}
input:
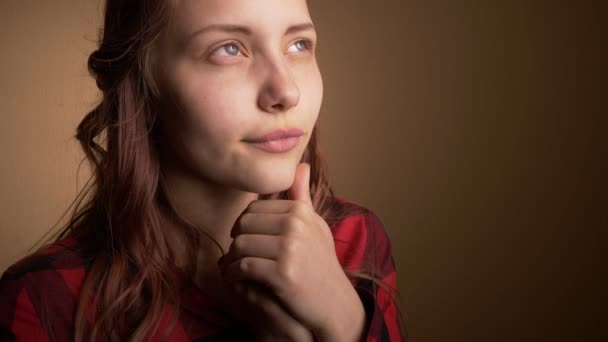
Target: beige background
{"points": [[472, 128]]}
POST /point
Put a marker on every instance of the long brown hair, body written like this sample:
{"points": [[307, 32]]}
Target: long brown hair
{"points": [[132, 269], [118, 215]]}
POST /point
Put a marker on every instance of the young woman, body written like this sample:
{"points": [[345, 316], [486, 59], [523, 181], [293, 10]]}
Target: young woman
{"points": [[210, 216]]}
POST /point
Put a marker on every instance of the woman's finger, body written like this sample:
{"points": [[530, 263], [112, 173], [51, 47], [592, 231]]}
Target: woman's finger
{"points": [[254, 245], [259, 223], [260, 270], [269, 224], [271, 206]]}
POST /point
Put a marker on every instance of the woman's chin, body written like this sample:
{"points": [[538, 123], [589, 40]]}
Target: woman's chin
{"points": [[271, 181], [271, 186]]}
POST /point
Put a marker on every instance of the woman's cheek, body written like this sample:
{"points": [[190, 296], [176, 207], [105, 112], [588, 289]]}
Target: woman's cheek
{"points": [[311, 83], [218, 122]]}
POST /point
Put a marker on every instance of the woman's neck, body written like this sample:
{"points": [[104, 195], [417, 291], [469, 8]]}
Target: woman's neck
{"points": [[210, 207]]}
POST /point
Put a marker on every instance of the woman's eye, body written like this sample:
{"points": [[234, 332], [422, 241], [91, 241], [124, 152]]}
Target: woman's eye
{"points": [[300, 46], [229, 49]]}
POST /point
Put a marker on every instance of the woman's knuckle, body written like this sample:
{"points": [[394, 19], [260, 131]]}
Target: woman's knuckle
{"points": [[299, 208], [287, 273], [240, 243], [244, 219], [244, 265], [287, 246], [294, 224]]}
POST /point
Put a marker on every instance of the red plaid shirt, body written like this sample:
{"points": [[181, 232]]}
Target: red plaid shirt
{"points": [[51, 279]]}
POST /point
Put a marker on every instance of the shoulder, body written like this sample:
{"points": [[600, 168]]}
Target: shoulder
{"points": [[360, 238], [63, 255], [348, 217], [353, 220], [48, 280]]}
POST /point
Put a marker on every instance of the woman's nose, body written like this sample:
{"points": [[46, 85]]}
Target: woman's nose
{"points": [[279, 92]]}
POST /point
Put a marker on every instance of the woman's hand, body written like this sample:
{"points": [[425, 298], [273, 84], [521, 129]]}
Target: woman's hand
{"points": [[286, 246], [258, 308]]}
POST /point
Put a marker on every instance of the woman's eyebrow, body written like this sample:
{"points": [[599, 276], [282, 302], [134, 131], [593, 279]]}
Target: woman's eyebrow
{"points": [[299, 28], [230, 28]]}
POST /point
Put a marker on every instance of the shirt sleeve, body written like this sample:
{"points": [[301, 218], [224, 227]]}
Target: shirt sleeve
{"points": [[38, 295], [18, 318], [364, 251], [379, 300]]}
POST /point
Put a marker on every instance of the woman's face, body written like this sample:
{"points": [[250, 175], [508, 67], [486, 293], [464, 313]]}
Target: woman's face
{"points": [[231, 71]]}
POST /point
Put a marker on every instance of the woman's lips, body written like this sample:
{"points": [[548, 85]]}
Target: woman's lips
{"points": [[280, 140], [277, 145]]}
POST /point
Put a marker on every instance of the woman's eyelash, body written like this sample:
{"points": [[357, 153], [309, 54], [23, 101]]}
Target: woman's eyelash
{"points": [[236, 48], [307, 43]]}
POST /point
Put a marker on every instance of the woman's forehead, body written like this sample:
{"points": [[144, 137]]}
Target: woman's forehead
{"points": [[191, 15]]}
